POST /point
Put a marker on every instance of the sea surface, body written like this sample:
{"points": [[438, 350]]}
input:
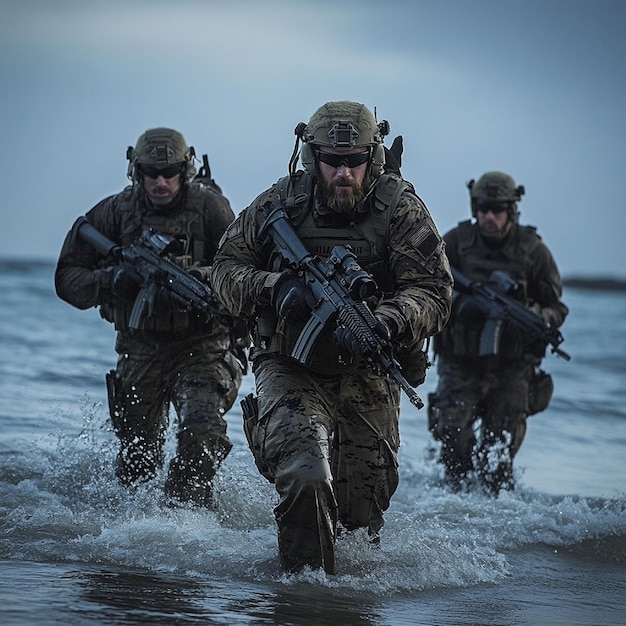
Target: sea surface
{"points": [[76, 548]]}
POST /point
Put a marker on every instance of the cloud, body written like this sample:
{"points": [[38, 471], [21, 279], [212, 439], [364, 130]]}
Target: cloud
{"points": [[535, 89], [245, 40]]}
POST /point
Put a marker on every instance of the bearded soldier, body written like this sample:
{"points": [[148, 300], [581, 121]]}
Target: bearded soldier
{"points": [[484, 396], [176, 356], [326, 433]]}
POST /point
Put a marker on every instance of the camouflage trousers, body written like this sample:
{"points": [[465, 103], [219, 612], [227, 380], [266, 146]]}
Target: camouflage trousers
{"points": [[479, 412], [200, 378], [329, 444]]}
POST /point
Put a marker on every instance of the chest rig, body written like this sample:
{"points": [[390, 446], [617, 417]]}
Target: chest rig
{"points": [[186, 225], [477, 261], [320, 232], [366, 235]]}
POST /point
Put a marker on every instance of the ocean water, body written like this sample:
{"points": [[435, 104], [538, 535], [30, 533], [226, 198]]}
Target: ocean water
{"points": [[76, 548]]}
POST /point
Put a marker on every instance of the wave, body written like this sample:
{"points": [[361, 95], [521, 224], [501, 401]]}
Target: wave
{"points": [[64, 505]]}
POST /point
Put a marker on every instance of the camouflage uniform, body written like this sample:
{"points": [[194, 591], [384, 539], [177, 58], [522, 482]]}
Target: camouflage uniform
{"points": [[327, 434], [176, 357], [491, 388]]}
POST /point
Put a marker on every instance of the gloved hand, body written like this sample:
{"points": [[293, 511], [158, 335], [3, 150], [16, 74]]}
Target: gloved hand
{"points": [[349, 343], [201, 274], [291, 298], [124, 283], [467, 309]]}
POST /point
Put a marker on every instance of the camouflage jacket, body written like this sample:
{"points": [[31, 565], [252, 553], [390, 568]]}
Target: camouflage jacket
{"points": [[523, 256], [416, 279], [198, 220]]}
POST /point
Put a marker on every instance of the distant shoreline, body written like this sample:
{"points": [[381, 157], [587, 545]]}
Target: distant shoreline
{"points": [[593, 283], [596, 284]]}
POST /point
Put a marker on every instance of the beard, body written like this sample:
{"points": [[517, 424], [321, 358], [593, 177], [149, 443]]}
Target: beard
{"points": [[163, 205], [341, 201]]}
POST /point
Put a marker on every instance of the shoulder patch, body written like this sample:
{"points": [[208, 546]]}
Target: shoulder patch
{"points": [[424, 240], [235, 229]]}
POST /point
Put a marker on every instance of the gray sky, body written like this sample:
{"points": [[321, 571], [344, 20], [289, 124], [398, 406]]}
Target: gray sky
{"points": [[534, 88]]}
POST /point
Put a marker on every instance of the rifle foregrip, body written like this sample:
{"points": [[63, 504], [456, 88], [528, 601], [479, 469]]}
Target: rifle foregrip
{"points": [[355, 323]]}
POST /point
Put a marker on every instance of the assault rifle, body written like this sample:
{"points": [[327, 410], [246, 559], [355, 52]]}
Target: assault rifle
{"points": [[339, 287], [145, 259], [499, 308]]}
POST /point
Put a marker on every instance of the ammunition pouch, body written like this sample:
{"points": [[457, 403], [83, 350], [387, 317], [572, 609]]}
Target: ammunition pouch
{"points": [[540, 389]]}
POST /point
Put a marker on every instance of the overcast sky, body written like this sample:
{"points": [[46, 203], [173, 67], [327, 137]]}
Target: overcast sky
{"points": [[534, 88]]}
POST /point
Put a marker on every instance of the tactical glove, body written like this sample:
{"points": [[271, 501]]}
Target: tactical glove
{"points": [[392, 323], [350, 344], [291, 298], [124, 283]]}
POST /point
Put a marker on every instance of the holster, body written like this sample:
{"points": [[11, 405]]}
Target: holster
{"points": [[250, 411]]}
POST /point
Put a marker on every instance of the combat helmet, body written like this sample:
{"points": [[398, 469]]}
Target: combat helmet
{"points": [[161, 147], [343, 124], [495, 188]]}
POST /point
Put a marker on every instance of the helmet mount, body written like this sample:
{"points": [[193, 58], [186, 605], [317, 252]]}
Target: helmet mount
{"points": [[341, 125], [160, 148], [496, 188]]}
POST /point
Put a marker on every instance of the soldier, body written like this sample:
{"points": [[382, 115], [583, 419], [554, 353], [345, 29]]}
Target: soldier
{"points": [[492, 390], [175, 356], [326, 434]]}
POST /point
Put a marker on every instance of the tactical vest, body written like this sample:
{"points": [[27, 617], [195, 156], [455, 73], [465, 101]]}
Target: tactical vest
{"points": [[367, 237], [186, 224], [477, 261]]}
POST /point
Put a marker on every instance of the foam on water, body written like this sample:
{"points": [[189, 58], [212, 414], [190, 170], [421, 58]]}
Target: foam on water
{"points": [[63, 504], [76, 548]]}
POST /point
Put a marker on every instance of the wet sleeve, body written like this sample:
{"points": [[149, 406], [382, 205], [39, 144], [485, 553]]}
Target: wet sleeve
{"points": [[239, 275], [219, 215], [545, 287], [81, 275], [420, 305]]}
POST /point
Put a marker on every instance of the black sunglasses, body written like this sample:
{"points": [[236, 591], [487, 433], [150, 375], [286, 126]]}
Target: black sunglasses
{"points": [[348, 160], [166, 172], [494, 207]]}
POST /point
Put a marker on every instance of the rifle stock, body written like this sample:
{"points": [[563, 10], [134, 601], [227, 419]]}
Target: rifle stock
{"points": [[99, 242], [498, 308], [339, 287]]}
